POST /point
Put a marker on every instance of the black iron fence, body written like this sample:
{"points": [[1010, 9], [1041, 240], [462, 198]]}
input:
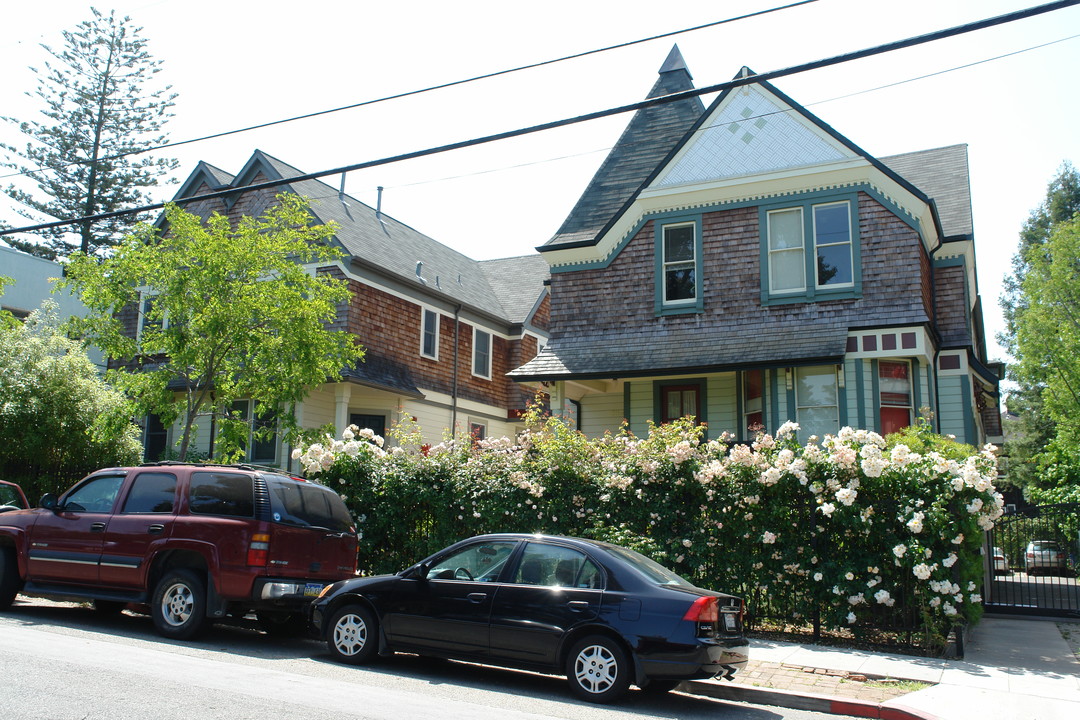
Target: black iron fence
{"points": [[1032, 558]]}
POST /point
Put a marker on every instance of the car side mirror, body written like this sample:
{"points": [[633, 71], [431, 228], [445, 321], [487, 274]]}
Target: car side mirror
{"points": [[419, 571], [48, 501]]}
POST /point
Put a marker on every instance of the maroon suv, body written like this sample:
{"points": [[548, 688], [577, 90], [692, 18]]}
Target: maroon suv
{"points": [[194, 542]]}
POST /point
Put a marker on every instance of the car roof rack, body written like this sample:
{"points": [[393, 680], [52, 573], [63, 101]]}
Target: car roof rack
{"points": [[237, 466]]}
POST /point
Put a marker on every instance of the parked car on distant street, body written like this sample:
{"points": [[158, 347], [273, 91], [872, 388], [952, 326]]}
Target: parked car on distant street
{"points": [[1044, 556], [12, 497], [604, 616], [196, 543], [1001, 563]]}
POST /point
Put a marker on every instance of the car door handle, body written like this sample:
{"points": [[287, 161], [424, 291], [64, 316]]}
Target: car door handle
{"points": [[578, 605], [476, 597], [156, 529], [97, 527]]}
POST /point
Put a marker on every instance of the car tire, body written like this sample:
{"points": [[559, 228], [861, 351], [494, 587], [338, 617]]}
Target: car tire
{"points": [[598, 669], [9, 577], [352, 635], [282, 626], [179, 604]]}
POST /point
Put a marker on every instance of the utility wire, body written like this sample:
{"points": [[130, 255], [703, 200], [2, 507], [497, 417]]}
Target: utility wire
{"points": [[651, 102], [702, 130], [443, 86]]}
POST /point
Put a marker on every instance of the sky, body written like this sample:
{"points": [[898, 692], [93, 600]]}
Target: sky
{"points": [[242, 63]]}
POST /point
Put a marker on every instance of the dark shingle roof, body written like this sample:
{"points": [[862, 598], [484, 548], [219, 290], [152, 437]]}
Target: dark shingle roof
{"points": [[942, 174], [631, 354], [387, 245], [652, 133]]}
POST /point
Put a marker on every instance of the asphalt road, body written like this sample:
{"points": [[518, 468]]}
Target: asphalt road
{"points": [[64, 662]]}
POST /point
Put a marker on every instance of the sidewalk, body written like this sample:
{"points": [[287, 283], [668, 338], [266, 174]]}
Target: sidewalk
{"points": [[1013, 669]]}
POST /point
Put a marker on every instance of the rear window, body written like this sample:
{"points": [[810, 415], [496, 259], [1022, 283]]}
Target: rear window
{"points": [[227, 494], [307, 505]]}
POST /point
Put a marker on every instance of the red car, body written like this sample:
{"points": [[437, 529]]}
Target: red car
{"points": [[196, 543]]}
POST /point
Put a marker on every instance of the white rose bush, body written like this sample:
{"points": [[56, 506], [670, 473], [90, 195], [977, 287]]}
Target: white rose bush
{"points": [[846, 532]]}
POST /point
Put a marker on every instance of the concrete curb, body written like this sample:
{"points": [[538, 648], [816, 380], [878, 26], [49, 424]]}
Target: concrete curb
{"points": [[803, 701]]}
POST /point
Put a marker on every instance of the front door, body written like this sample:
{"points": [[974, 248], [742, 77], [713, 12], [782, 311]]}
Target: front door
{"points": [[65, 545], [449, 610]]}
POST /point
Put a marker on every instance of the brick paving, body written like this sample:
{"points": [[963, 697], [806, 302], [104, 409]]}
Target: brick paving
{"points": [[820, 681]]}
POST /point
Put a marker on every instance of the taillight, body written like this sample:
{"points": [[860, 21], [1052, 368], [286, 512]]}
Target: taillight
{"points": [[704, 610], [259, 550]]}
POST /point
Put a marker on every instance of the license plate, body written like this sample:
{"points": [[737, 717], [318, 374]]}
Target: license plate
{"points": [[729, 622], [313, 589]]}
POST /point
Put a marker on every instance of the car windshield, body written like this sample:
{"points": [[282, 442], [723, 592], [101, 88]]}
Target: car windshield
{"points": [[307, 505], [651, 569]]}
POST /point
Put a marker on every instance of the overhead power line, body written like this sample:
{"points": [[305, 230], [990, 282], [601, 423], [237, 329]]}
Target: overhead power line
{"points": [[442, 86], [651, 102]]}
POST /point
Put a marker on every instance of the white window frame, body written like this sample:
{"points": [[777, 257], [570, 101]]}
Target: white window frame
{"points": [[850, 256], [666, 265], [490, 346], [423, 332], [801, 250]]}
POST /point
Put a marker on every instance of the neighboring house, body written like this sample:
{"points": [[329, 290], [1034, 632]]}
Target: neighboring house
{"points": [[441, 330], [33, 284], [746, 265]]}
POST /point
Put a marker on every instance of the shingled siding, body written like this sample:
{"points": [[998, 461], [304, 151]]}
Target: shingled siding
{"points": [[390, 327], [615, 304], [952, 305]]}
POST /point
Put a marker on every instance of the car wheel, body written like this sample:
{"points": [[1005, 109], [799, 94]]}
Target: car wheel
{"points": [[352, 635], [9, 578], [598, 669], [179, 605], [280, 625], [108, 607]]}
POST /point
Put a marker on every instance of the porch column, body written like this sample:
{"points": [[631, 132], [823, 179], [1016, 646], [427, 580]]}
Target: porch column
{"points": [[342, 393]]}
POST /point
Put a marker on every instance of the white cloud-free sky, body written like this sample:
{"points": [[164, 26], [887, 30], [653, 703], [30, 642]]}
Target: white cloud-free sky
{"points": [[241, 63]]}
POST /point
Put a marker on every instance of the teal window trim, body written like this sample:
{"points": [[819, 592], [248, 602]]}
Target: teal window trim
{"points": [[860, 390], [841, 395], [774, 398], [703, 399], [626, 403], [811, 292], [792, 401], [678, 307], [916, 390], [875, 385]]}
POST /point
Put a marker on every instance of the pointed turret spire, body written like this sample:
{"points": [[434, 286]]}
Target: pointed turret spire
{"points": [[674, 62]]}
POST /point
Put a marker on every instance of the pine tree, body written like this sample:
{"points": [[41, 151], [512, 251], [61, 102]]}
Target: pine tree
{"points": [[86, 157]]}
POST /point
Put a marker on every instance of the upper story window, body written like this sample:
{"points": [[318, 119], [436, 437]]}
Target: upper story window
{"points": [[678, 267], [810, 251], [680, 264], [481, 353], [429, 334]]}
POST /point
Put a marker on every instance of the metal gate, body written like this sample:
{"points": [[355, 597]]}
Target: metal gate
{"points": [[1032, 558]]}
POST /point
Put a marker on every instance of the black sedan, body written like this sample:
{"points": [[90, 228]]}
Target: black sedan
{"points": [[603, 615]]}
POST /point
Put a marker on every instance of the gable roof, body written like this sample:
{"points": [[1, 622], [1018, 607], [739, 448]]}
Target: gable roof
{"points": [[647, 140], [379, 242]]}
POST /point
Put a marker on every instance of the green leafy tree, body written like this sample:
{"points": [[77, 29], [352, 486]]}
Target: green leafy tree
{"points": [[101, 111], [1043, 358], [226, 312], [58, 417]]}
